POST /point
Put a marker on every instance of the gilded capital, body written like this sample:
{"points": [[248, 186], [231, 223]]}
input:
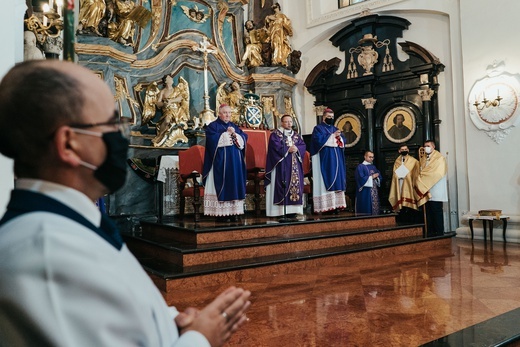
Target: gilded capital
{"points": [[426, 94], [369, 103]]}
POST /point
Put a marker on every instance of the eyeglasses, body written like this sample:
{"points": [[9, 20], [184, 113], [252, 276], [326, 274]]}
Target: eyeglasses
{"points": [[122, 125]]}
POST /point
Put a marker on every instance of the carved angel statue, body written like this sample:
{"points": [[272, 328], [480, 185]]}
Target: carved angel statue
{"points": [[231, 98], [279, 28], [150, 100], [196, 15], [175, 105]]}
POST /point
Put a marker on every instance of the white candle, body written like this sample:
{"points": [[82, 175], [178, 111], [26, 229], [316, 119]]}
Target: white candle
{"points": [[59, 4], [45, 9]]}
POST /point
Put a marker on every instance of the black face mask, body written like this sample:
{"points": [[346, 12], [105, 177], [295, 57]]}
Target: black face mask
{"points": [[404, 153], [112, 172], [329, 121]]}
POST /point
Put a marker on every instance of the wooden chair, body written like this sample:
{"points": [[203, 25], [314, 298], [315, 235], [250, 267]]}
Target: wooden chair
{"points": [[256, 155], [307, 173], [191, 163]]}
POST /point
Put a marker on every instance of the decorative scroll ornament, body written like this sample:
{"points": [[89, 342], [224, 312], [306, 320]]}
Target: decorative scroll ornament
{"points": [[42, 30], [121, 95], [368, 57], [493, 102]]}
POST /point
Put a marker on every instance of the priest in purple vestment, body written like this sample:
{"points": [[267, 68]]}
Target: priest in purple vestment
{"points": [[284, 171], [224, 174], [328, 165], [368, 179]]}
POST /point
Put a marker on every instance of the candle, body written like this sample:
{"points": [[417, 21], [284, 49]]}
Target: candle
{"points": [[45, 9], [59, 4], [51, 3]]}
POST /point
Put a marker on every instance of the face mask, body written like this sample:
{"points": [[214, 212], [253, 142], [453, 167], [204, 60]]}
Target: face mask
{"points": [[112, 172], [428, 150], [329, 121], [404, 153]]}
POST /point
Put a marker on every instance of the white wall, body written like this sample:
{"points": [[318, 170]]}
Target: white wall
{"points": [[11, 18], [488, 35]]}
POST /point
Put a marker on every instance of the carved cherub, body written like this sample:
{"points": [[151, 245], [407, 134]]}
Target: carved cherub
{"points": [[194, 14]]}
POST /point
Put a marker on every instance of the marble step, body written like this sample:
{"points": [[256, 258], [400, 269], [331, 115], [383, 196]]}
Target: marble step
{"points": [[172, 279], [185, 255], [210, 232]]}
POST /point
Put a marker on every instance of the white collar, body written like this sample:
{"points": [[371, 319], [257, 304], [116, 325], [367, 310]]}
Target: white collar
{"points": [[285, 131], [367, 163], [73, 198]]}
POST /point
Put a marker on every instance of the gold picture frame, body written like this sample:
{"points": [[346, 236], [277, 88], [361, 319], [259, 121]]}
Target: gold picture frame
{"points": [[345, 3], [399, 124], [350, 126]]}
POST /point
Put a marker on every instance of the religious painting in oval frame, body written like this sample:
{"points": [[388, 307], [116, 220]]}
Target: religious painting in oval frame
{"points": [[350, 126], [399, 124]]}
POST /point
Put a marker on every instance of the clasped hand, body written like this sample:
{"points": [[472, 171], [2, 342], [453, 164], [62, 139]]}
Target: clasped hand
{"points": [[220, 319]]}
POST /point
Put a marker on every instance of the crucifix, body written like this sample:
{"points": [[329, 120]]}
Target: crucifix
{"points": [[205, 47]]}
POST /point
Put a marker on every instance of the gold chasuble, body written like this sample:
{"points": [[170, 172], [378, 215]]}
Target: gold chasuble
{"points": [[401, 189], [433, 169]]}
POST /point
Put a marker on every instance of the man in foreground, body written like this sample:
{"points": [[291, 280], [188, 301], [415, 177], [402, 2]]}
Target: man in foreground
{"points": [[66, 276]]}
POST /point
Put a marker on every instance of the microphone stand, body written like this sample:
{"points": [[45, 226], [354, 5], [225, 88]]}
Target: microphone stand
{"points": [[284, 219]]}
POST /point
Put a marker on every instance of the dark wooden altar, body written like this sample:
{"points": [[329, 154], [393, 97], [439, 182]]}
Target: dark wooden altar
{"points": [[374, 88]]}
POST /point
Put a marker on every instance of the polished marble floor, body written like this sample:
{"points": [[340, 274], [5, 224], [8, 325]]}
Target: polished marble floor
{"points": [[406, 300]]}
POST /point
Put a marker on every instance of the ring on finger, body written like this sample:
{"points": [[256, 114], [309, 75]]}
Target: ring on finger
{"points": [[225, 315]]}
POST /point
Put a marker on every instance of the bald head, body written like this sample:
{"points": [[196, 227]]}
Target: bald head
{"points": [[36, 98]]}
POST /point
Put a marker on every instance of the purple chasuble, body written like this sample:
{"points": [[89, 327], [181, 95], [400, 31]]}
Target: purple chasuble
{"points": [[289, 167], [332, 159]]}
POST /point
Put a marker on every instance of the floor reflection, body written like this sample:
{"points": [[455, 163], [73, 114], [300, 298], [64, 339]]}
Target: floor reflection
{"points": [[405, 300]]}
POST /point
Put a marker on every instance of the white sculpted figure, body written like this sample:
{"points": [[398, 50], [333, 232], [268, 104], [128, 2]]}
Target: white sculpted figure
{"points": [[30, 50]]}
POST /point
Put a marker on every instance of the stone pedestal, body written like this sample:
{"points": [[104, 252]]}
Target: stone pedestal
{"points": [[274, 85]]}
